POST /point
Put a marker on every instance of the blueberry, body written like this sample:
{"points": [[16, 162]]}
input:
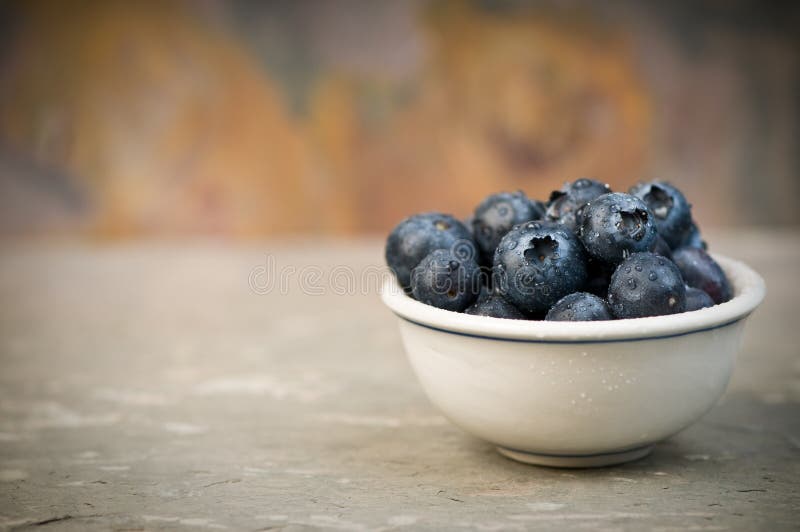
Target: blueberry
{"points": [[599, 276], [418, 235], [444, 281], [579, 306], [660, 247], [539, 207], [495, 306], [538, 263], [615, 225], [565, 204], [692, 239], [646, 284], [697, 299], [497, 214], [701, 271], [671, 212], [467, 222], [485, 291]]}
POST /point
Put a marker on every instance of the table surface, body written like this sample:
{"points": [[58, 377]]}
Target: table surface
{"points": [[154, 387]]}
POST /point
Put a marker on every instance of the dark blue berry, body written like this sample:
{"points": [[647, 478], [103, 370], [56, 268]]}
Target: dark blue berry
{"points": [[672, 214], [485, 291], [584, 189], [697, 299], [701, 271], [495, 306], [496, 215], [660, 247], [467, 222], [417, 236], [646, 284], [692, 238], [599, 276], [565, 204], [444, 281], [579, 306], [538, 263], [615, 225], [539, 207]]}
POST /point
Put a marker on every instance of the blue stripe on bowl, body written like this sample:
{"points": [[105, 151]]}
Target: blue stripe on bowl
{"points": [[597, 341]]}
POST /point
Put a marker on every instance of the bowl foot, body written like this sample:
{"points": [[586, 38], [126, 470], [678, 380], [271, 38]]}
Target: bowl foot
{"points": [[577, 461]]}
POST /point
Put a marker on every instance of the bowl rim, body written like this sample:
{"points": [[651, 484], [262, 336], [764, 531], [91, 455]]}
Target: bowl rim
{"points": [[748, 288]]}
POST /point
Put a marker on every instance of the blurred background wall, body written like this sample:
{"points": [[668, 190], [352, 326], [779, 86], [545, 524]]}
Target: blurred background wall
{"points": [[123, 119]]}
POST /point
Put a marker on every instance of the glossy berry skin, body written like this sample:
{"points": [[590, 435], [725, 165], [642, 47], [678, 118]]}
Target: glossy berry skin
{"points": [[699, 270], [443, 281], [497, 214], [417, 236], [672, 214], [697, 299], [616, 225], [646, 284], [565, 204], [495, 306], [580, 306], [538, 263]]}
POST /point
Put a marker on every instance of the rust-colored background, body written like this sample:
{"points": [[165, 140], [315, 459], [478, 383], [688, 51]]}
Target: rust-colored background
{"points": [[123, 119]]}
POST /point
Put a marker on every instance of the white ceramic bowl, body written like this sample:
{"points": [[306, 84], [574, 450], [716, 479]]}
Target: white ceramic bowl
{"points": [[576, 394]]}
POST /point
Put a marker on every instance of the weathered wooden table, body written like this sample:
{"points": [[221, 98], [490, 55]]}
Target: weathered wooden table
{"points": [[150, 387]]}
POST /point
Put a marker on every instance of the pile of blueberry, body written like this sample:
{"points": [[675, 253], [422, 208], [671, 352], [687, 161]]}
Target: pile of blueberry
{"points": [[587, 254]]}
